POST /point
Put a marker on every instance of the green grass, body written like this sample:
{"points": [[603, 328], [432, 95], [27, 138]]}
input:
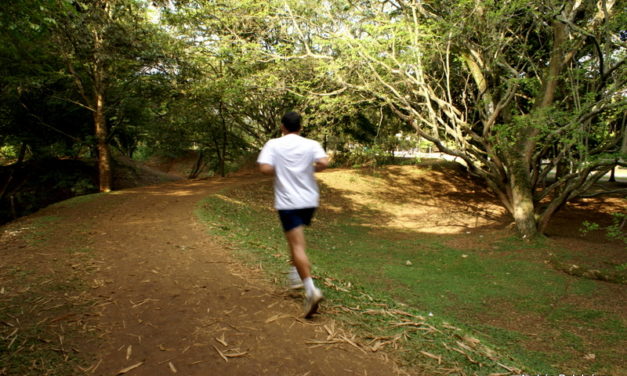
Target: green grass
{"points": [[40, 312], [77, 200], [33, 349], [31, 341], [460, 293], [39, 227]]}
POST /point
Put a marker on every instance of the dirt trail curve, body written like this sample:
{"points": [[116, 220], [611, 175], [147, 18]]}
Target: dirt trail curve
{"points": [[173, 301]]}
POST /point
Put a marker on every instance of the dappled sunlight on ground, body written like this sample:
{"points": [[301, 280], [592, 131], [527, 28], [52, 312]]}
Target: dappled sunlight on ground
{"points": [[409, 198], [173, 193]]}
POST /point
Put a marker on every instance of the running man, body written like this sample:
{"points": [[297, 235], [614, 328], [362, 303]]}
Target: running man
{"points": [[293, 160]]}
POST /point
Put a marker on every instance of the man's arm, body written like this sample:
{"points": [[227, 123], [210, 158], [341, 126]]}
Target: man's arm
{"points": [[321, 164], [267, 169]]}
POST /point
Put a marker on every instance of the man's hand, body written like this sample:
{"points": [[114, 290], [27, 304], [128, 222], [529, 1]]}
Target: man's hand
{"points": [[321, 164], [266, 168]]}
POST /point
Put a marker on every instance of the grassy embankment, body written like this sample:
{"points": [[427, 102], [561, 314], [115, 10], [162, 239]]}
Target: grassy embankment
{"points": [[471, 302], [43, 304]]}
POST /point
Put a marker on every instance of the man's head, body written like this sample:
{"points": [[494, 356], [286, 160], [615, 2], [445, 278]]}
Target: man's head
{"points": [[291, 121]]}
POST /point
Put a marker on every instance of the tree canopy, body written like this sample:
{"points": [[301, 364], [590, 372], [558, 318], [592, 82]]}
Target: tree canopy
{"points": [[530, 95]]}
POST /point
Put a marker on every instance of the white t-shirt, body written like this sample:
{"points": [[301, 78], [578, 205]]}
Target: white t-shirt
{"points": [[293, 157]]}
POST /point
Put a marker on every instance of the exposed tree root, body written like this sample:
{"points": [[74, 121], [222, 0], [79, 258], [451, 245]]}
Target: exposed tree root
{"points": [[583, 272]]}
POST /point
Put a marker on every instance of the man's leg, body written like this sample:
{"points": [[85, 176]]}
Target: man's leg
{"points": [[296, 242]]}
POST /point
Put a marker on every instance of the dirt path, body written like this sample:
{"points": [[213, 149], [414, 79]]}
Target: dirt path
{"points": [[171, 301]]}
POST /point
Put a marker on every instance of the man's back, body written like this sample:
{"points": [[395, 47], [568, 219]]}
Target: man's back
{"points": [[293, 158]]}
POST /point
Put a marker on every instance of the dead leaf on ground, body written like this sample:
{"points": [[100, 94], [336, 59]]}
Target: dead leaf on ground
{"points": [[172, 368], [510, 369], [129, 368], [377, 345], [276, 317], [429, 355], [135, 305], [330, 330], [95, 367], [221, 354], [471, 341], [235, 354], [222, 341]]}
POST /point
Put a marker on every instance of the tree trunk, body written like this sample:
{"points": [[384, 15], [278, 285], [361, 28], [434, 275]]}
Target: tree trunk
{"points": [[623, 148], [198, 166], [104, 155], [522, 189], [612, 178], [222, 165], [522, 201], [222, 160]]}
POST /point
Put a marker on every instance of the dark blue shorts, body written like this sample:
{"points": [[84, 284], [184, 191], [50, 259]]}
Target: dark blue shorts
{"points": [[292, 218]]}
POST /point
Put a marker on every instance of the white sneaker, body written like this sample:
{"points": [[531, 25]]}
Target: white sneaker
{"points": [[312, 302]]}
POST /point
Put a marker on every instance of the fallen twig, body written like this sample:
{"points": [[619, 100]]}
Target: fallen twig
{"points": [[510, 369], [429, 355], [130, 368], [221, 354], [172, 368]]}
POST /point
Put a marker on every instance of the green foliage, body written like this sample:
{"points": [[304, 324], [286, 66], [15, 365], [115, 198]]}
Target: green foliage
{"points": [[484, 82], [215, 77], [616, 230]]}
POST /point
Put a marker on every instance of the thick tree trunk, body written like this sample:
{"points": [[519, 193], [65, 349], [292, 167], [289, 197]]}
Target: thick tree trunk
{"points": [[522, 201], [104, 155], [522, 188]]}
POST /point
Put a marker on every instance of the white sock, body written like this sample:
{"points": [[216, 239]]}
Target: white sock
{"points": [[293, 277], [309, 286], [294, 274]]}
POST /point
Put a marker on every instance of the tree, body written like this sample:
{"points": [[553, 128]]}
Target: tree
{"points": [[105, 44], [516, 89], [229, 95], [33, 119]]}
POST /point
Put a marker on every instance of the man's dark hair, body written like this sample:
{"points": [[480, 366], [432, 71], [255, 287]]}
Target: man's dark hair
{"points": [[291, 121]]}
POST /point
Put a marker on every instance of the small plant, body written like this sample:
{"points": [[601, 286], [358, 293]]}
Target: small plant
{"points": [[613, 231]]}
